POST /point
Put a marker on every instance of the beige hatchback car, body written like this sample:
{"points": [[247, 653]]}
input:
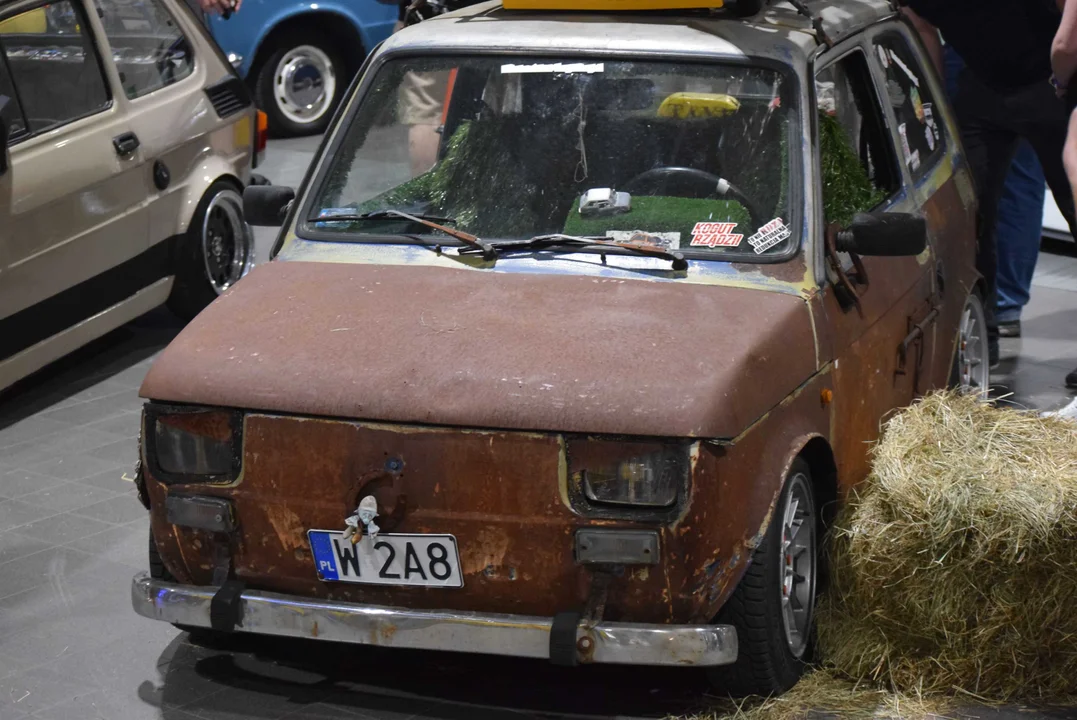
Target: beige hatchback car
{"points": [[127, 140]]}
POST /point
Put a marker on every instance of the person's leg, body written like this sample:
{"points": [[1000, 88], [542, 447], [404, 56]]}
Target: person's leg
{"points": [[1020, 225], [989, 147]]}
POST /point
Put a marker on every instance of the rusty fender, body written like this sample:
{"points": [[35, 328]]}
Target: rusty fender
{"points": [[751, 470]]}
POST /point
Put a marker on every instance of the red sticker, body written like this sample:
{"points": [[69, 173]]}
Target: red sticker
{"points": [[715, 234]]}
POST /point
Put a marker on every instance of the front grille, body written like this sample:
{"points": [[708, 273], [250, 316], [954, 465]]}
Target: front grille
{"points": [[229, 97]]}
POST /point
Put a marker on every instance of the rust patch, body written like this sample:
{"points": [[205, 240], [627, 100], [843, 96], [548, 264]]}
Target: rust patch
{"points": [[287, 526]]}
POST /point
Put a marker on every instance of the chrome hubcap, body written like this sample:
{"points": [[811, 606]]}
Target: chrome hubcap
{"points": [[798, 564], [972, 355], [226, 241], [304, 84]]}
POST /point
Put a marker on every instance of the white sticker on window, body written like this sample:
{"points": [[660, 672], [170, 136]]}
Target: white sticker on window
{"points": [[715, 234], [905, 151], [930, 137], [553, 68], [905, 68], [666, 240], [771, 234], [883, 58], [914, 160]]}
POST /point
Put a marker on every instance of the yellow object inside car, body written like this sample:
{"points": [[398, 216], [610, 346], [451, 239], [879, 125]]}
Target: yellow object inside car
{"points": [[33, 21], [685, 105], [610, 5]]}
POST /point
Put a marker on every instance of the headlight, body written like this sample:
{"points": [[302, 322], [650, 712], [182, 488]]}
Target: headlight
{"points": [[636, 474], [192, 445]]}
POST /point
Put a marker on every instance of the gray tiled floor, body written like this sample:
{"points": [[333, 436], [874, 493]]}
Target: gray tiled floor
{"points": [[72, 534]]}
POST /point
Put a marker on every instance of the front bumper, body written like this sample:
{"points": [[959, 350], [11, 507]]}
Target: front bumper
{"points": [[517, 635]]}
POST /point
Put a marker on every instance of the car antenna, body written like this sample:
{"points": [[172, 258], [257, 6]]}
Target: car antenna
{"points": [[816, 22]]}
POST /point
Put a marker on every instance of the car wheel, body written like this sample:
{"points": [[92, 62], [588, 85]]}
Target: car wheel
{"points": [[746, 8], [971, 372], [299, 86], [214, 254], [773, 607]]}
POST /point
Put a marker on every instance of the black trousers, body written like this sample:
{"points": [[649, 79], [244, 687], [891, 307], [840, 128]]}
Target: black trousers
{"points": [[991, 124]]}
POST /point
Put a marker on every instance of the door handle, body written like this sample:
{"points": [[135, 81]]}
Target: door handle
{"points": [[125, 144]]}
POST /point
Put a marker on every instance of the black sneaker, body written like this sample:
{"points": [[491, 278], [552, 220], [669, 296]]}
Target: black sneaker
{"points": [[992, 354], [1071, 380], [1010, 329]]}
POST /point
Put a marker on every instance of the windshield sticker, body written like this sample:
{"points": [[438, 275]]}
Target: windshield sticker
{"points": [[330, 212], [771, 234], [914, 160], [883, 57], [511, 69], [905, 150], [664, 240], [715, 234], [917, 105], [897, 61], [930, 137]]}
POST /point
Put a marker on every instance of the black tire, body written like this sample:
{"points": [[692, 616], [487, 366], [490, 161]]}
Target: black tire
{"points": [[268, 81], [747, 8], [766, 664], [194, 288]]}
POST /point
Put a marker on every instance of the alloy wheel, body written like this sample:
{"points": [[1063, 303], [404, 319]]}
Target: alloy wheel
{"points": [[227, 242], [973, 369], [798, 563]]}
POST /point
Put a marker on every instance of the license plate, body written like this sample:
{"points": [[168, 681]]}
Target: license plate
{"points": [[388, 559]]}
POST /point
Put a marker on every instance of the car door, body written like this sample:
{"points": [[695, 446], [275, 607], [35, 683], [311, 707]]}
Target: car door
{"points": [[872, 304], [942, 183], [76, 209], [163, 83]]}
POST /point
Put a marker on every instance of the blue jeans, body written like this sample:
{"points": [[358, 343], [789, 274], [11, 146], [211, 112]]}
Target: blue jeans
{"points": [[1020, 218]]}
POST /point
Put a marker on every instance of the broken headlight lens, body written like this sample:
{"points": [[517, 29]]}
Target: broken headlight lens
{"points": [[197, 443], [632, 474]]}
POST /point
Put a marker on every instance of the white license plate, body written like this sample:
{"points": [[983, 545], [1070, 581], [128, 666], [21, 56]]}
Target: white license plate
{"points": [[418, 560]]}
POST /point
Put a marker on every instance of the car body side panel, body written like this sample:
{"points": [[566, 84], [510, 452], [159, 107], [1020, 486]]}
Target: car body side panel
{"points": [[244, 33]]}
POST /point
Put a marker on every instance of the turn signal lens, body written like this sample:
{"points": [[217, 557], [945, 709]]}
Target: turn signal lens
{"points": [[646, 475], [261, 138], [199, 444]]}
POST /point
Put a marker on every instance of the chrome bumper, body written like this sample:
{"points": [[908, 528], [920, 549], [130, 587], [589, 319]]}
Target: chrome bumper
{"points": [[516, 635]]}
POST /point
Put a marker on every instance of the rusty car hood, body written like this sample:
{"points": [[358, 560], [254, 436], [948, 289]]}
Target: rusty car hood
{"points": [[483, 349]]}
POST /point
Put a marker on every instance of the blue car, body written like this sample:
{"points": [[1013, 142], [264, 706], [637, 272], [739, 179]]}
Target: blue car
{"points": [[299, 57]]}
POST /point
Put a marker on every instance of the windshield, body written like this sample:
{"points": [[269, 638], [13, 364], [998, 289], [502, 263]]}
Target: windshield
{"points": [[683, 156]]}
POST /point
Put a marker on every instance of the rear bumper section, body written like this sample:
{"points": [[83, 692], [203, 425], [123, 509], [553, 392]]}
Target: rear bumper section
{"points": [[516, 635]]}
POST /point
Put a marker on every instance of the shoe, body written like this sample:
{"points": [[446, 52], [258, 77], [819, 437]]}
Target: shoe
{"points": [[1010, 329], [1071, 380], [992, 355], [1067, 413]]}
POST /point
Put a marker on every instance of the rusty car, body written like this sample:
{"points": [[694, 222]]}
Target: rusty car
{"points": [[577, 331]]}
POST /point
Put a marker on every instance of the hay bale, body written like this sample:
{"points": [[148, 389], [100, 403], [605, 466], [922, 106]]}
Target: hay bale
{"points": [[955, 565]]}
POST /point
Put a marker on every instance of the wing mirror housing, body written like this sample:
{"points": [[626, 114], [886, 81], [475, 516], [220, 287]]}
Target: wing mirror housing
{"points": [[889, 234], [267, 205]]}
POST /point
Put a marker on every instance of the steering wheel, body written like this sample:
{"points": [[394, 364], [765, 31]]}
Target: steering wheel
{"points": [[689, 182]]}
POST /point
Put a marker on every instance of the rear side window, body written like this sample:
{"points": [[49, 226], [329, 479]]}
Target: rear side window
{"points": [[55, 70], [910, 97], [150, 50], [856, 154]]}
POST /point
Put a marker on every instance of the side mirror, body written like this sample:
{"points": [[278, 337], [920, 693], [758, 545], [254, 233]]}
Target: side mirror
{"points": [[267, 205], [884, 234]]}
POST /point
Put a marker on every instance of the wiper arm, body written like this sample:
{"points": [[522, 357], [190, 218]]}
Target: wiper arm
{"points": [[429, 221], [547, 241]]}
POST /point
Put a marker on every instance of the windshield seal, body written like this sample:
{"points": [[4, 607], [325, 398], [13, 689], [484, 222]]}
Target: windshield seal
{"points": [[315, 182]]}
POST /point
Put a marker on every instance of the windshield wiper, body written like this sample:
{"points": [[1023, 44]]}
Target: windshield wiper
{"points": [[542, 242], [429, 221]]}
